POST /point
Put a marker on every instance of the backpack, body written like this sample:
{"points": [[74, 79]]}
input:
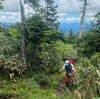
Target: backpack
{"points": [[68, 68], [71, 61]]}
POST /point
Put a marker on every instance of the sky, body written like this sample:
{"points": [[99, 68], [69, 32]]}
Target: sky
{"points": [[68, 10]]}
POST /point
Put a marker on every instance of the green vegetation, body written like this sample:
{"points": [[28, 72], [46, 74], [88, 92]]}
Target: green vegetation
{"points": [[46, 50]]}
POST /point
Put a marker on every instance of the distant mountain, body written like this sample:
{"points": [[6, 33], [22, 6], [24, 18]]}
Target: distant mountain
{"points": [[6, 24], [66, 27], [63, 27]]}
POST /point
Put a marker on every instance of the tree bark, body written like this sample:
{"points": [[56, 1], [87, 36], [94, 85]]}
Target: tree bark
{"points": [[82, 20], [23, 47], [46, 10]]}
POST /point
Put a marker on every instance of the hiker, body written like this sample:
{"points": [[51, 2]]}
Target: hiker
{"points": [[70, 70]]}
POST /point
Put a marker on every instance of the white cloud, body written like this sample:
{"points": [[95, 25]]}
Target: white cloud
{"points": [[61, 14], [74, 6], [3, 17], [69, 20], [68, 6], [11, 5], [9, 16], [11, 11], [74, 19]]}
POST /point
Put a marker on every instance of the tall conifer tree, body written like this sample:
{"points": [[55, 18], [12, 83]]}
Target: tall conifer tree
{"points": [[51, 13], [1, 4]]}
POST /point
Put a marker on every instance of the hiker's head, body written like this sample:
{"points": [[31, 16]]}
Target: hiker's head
{"points": [[67, 62]]}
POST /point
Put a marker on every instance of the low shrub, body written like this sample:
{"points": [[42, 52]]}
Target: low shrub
{"points": [[42, 79], [88, 79], [11, 66]]}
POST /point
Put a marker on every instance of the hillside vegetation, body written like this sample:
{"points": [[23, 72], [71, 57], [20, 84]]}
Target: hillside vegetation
{"points": [[32, 53]]}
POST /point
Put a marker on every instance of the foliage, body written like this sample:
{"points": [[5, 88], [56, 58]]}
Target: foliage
{"points": [[18, 89], [42, 53], [8, 44], [42, 79], [14, 33], [24, 88], [51, 13], [1, 29], [32, 3], [95, 60], [48, 56], [92, 40], [10, 60], [1, 7], [71, 38], [47, 50], [97, 16], [71, 52], [87, 85], [88, 79], [12, 65]]}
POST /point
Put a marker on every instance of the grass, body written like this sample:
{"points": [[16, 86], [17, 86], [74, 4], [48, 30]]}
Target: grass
{"points": [[87, 82], [28, 88], [25, 88]]}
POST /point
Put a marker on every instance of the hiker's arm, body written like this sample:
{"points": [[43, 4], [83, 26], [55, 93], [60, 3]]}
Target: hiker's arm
{"points": [[73, 70], [62, 69]]}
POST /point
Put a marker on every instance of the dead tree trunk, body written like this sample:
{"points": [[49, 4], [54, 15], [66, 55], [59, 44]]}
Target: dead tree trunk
{"points": [[46, 11], [23, 47], [80, 36], [82, 20]]}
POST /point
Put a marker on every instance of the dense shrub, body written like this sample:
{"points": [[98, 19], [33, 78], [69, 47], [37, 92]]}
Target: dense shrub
{"points": [[11, 66], [46, 57], [95, 60], [91, 42], [42, 79], [49, 57], [87, 79], [10, 58]]}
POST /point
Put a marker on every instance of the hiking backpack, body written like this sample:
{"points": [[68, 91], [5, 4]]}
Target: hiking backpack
{"points": [[71, 62], [68, 68]]}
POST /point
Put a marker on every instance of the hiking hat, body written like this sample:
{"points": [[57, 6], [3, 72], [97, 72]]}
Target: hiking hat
{"points": [[67, 62]]}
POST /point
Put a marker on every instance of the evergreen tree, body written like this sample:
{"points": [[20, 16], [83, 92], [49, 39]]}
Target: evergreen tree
{"points": [[51, 13], [91, 39], [71, 37], [32, 3], [1, 4], [97, 16]]}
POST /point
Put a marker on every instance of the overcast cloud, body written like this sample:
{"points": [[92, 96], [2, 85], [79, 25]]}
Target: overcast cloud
{"points": [[11, 11]]}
